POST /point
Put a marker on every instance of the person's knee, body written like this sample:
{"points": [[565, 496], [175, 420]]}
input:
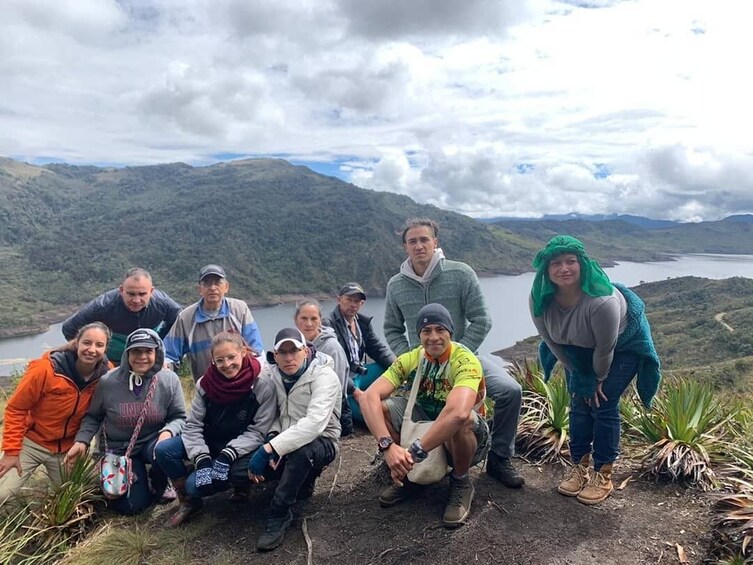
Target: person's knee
{"points": [[502, 388], [464, 436], [298, 459]]}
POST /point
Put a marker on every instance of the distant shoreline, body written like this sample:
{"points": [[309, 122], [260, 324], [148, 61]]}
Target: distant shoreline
{"points": [[47, 319]]}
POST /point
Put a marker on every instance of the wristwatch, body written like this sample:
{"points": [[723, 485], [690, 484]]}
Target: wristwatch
{"points": [[416, 451], [384, 443]]}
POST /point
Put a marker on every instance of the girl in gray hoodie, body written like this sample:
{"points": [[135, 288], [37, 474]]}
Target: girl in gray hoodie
{"points": [[116, 407]]}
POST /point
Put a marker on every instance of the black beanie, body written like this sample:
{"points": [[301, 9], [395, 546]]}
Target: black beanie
{"points": [[434, 314]]}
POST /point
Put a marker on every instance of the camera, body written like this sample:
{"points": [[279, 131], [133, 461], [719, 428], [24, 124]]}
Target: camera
{"points": [[358, 368]]}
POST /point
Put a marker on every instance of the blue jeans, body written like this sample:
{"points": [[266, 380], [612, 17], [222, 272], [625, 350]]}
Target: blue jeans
{"points": [[141, 496], [171, 456], [598, 429], [507, 396]]}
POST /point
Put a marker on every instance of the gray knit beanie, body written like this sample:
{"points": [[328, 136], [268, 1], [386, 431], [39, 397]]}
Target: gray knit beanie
{"points": [[434, 314]]}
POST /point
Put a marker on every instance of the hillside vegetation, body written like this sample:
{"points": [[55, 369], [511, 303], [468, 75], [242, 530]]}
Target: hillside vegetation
{"points": [[623, 240], [702, 329], [68, 233]]}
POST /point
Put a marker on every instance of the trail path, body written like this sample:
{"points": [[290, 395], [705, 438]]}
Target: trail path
{"points": [[720, 318]]}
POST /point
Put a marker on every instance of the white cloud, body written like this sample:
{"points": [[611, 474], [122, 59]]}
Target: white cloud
{"points": [[486, 107]]}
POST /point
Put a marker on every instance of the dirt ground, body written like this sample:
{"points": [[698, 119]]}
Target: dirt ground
{"points": [[643, 523]]}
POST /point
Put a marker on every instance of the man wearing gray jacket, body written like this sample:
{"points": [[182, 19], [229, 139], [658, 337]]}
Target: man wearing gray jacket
{"points": [[306, 437]]}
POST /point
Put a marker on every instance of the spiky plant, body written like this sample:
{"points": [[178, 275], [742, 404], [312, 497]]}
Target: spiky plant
{"points": [[543, 425], [41, 525], [686, 428], [733, 520]]}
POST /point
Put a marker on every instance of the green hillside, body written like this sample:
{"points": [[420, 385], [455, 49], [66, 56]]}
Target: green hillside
{"points": [[702, 329], [619, 240], [67, 233]]}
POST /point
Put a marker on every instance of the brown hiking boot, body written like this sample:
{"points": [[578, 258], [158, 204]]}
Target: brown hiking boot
{"points": [[459, 505], [394, 494], [599, 486], [576, 479], [187, 506]]}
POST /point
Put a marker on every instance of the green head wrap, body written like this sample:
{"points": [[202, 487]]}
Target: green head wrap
{"points": [[593, 280]]}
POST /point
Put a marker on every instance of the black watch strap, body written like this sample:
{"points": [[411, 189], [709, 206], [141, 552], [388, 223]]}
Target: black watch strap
{"points": [[384, 443]]}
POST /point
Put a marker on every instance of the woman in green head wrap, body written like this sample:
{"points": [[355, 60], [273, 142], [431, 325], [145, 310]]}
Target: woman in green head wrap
{"points": [[584, 320]]}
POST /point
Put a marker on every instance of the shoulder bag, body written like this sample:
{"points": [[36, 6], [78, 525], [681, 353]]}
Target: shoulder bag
{"points": [[434, 467], [115, 471]]}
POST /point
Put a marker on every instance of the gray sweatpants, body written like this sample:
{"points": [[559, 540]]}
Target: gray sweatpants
{"points": [[507, 396]]}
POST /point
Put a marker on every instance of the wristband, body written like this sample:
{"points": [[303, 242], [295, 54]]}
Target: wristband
{"points": [[417, 451]]}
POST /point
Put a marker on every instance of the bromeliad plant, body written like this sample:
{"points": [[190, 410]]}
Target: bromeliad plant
{"points": [[687, 428], [43, 524], [543, 425], [733, 520]]}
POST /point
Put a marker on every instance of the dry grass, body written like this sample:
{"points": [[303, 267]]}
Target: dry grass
{"points": [[142, 539]]}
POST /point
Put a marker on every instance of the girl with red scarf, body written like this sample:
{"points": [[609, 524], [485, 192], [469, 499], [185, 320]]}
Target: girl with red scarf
{"points": [[230, 416]]}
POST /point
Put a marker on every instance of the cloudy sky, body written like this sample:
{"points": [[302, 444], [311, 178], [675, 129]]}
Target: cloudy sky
{"points": [[486, 107]]}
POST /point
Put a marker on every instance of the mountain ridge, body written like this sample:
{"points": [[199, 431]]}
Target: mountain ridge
{"points": [[68, 232]]}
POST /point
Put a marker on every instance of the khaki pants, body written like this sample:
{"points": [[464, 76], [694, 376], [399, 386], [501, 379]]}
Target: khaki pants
{"points": [[32, 456]]}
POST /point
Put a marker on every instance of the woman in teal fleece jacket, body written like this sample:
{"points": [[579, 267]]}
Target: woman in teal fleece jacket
{"points": [[599, 332]]}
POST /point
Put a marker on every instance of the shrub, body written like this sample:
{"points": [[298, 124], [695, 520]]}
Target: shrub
{"points": [[41, 525], [543, 425], [687, 428]]}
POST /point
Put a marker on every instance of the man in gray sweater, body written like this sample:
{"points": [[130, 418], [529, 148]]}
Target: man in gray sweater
{"points": [[426, 277]]}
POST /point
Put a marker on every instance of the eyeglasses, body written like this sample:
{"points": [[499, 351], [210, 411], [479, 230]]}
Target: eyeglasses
{"points": [[228, 359]]}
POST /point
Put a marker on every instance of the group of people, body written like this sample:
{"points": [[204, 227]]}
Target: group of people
{"points": [[258, 416]]}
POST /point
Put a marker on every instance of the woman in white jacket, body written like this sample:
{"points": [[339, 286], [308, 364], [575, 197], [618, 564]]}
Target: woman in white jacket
{"points": [[308, 398]]}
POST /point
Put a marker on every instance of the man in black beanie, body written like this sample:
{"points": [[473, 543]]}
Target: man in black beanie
{"points": [[451, 391]]}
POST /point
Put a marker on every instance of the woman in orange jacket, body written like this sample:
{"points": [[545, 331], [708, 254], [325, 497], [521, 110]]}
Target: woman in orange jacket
{"points": [[45, 411]]}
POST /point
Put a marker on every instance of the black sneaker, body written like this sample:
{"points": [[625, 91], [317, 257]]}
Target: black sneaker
{"points": [[274, 531], [501, 469]]}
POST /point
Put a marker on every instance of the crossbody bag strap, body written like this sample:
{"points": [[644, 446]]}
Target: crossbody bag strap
{"points": [[408, 414], [142, 416]]}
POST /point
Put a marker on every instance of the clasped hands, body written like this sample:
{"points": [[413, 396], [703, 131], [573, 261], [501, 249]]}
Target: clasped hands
{"points": [[401, 461]]}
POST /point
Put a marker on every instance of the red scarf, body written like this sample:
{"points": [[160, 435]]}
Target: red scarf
{"points": [[222, 390]]}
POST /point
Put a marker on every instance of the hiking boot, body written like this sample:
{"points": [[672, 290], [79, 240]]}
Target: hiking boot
{"points": [[274, 531], [394, 494], [501, 469], [576, 479], [187, 506], [599, 486], [459, 505]]}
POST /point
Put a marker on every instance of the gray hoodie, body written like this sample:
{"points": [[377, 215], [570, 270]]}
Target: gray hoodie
{"points": [[327, 343], [117, 408]]}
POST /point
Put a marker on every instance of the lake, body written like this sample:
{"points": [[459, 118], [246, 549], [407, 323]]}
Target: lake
{"points": [[507, 297]]}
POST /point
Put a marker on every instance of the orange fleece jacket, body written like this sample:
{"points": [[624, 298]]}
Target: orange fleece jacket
{"points": [[47, 407]]}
